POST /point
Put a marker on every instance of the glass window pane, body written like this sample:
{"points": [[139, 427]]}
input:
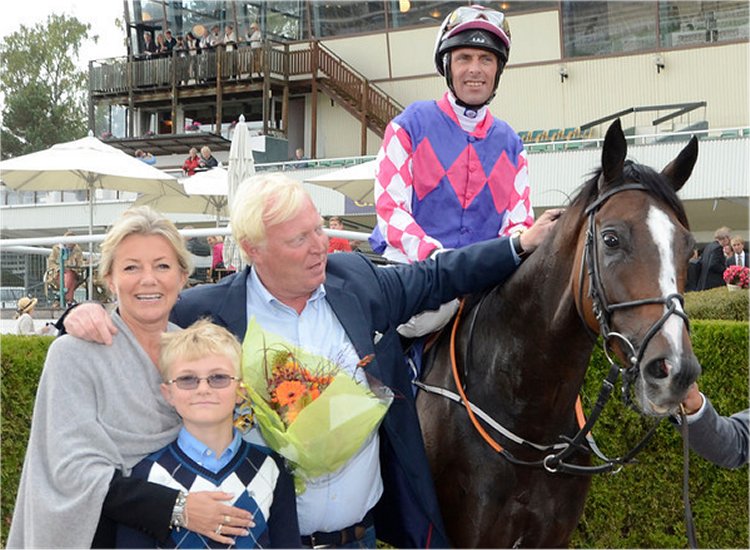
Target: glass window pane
{"points": [[689, 23], [606, 28], [337, 18]]}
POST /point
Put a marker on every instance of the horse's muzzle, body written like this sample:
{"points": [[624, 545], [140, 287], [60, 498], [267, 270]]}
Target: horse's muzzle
{"points": [[663, 383]]}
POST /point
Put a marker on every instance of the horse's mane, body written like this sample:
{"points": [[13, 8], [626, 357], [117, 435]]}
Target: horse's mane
{"points": [[656, 183]]}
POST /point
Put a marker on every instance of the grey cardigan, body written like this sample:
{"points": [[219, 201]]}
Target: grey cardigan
{"points": [[98, 409]]}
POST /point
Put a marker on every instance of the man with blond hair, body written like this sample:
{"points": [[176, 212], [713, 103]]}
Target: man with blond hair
{"points": [[344, 308]]}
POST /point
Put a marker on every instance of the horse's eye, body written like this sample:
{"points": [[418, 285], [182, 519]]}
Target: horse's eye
{"points": [[611, 240]]}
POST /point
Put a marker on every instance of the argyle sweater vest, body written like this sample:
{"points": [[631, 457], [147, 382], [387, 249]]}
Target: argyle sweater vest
{"points": [[252, 476]]}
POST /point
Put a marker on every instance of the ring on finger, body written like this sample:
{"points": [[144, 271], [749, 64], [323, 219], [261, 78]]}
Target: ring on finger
{"points": [[218, 529]]}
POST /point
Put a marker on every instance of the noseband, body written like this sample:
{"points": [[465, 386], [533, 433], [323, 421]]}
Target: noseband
{"points": [[603, 309]]}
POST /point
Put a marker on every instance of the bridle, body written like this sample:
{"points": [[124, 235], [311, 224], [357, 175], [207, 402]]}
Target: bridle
{"points": [[603, 309]]}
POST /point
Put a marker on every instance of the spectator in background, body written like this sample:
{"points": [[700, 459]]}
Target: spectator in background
{"points": [[738, 257], [299, 155], [148, 158], [191, 163], [694, 271], [169, 41], [180, 46], [161, 45], [254, 38], [149, 47], [217, 252], [24, 310], [214, 38], [713, 261], [337, 244], [207, 160], [71, 256], [197, 245], [192, 43], [723, 440], [230, 38]]}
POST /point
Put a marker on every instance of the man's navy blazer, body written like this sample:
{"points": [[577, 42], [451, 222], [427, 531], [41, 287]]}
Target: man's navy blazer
{"points": [[370, 302]]}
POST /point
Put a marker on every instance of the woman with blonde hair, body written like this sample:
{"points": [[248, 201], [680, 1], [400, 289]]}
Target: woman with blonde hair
{"points": [[99, 411]]}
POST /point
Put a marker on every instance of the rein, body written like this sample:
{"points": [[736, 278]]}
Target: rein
{"points": [[555, 462]]}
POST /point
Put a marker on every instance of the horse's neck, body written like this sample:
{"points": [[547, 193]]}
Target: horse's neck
{"points": [[530, 348]]}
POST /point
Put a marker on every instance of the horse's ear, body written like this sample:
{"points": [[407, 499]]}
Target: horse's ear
{"points": [[613, 155], [678, 171]]}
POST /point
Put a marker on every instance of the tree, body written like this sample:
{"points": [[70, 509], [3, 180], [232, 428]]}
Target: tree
{"points": [[45, 92]]}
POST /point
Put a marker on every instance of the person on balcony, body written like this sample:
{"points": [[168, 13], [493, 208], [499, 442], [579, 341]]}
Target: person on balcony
{"points": [[169, 41], [230, 38], [254, 38], [149, 47], [207, 160], [161, 46], [191, 163]]}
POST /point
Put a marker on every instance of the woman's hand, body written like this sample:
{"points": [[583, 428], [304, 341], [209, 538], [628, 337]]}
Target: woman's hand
{"points": [[208, 515]]}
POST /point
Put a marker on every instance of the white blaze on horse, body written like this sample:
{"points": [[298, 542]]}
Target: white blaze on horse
{"points": [[616, 267]]}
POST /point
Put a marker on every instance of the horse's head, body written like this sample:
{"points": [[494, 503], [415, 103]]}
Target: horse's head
{"points": [[635, 251]]}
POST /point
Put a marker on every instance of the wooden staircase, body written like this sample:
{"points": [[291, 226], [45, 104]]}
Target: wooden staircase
{"points": [[361, 98]]}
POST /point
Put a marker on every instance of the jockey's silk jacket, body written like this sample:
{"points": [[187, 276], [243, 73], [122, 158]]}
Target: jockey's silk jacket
{"points": [[439, 186]]}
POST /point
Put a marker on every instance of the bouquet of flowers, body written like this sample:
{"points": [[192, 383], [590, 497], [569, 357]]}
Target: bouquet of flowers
{"points": [[308, 409], [737, 275]]}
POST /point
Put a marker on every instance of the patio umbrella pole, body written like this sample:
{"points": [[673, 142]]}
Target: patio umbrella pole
{"points": [[91, 245]]}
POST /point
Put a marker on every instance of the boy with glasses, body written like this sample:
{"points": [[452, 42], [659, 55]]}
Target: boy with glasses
{"points": [[200, 367]]}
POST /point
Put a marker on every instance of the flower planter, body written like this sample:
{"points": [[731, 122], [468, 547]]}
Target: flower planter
{"points": [[732, 288]]}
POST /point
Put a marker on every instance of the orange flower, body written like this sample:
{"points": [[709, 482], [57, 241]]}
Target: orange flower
{"points": [[289, 391]]}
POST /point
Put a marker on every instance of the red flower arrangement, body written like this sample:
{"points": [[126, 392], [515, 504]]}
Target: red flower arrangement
{"points": [[293, 387], [737, 275]]}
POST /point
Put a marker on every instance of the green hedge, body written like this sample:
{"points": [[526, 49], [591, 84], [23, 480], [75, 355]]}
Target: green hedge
{"points": [[639, 507], [718, 303], [22, 358]]}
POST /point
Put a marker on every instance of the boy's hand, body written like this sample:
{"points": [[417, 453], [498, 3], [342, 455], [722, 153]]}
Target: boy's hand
{"points": [[90, 322], [207, 515]]}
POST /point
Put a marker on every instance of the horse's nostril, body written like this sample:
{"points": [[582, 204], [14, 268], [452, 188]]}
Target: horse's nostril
{"points": [[658, 369]]}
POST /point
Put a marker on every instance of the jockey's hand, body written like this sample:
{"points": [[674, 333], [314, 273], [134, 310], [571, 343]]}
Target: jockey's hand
{"points": [[543, 226], [91, 322]]}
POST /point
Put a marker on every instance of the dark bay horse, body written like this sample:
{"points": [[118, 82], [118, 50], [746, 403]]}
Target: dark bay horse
{"points": [[523, 349]]}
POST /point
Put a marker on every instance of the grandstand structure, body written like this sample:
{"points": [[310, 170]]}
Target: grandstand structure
{"points": [[329, 76]]}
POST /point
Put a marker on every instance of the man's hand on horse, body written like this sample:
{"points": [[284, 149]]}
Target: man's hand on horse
{"points": [[90, 321], [543, 226]]}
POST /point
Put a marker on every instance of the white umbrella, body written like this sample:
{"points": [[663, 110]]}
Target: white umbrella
{"points": [[85, 164], [205, 193], [356, 182], [241, 167]]}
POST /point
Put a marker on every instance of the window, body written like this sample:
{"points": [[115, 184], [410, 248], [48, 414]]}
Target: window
{"points": [[603, 28], [689, 23]]}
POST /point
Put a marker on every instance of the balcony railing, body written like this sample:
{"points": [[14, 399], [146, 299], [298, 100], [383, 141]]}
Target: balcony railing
{"points": [[118, 77]]}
